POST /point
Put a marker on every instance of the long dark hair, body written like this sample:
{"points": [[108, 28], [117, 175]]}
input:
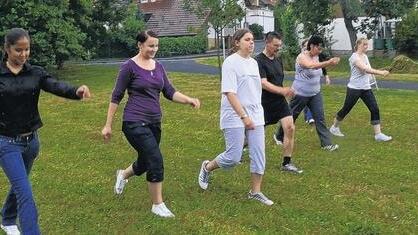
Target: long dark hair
{"points": [[237, 36], [11, 38]]}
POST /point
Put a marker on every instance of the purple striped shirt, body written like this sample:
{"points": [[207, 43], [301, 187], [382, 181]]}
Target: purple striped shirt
{"points": [[144, 87]]}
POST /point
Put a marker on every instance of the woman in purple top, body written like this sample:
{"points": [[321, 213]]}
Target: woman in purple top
{"points": [[145, 79]]}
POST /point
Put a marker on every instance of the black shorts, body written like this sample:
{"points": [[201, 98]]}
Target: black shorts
{"points": [[275, 110]]}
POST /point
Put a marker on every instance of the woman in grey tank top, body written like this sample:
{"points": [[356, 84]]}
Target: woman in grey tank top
{"points": [[308, 89]]}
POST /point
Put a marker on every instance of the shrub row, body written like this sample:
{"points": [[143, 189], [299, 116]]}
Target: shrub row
{"points": [[185, 45]]}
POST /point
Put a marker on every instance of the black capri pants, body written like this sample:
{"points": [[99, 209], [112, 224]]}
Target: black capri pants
{"points": [[368, 98], [145, 138]]}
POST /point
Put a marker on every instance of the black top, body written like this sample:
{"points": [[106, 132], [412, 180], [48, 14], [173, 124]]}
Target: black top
{"points": [[322, 57], [272, 69], [19, 95]]}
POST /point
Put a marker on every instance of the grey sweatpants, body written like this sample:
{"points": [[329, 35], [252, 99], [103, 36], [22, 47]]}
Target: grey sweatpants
{"points": [[234, 142]]}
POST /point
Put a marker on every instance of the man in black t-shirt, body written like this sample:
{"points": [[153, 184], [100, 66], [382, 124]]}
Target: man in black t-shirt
{"points": [[274, 96]]}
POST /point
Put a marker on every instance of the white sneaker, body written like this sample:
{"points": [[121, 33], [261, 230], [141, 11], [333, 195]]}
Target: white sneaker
{"points": [[260, 197], [278, 142], [310, 121], [382, 137], [204, 176], [161, 210], [120, 182], [331, 147], [336, 131], [10, 229]]}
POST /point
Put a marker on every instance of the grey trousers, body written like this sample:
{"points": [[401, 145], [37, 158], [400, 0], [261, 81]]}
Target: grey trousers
{"points": [[234, 142], [315, 104]]}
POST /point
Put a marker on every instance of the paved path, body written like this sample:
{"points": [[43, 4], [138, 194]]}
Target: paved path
{"points": [[190, 66], [187, 64]]}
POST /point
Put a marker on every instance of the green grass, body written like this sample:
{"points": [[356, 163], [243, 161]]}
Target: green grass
{"points": [[342, 69], [363, 188]]}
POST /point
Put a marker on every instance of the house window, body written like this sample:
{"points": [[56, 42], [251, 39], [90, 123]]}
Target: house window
{"points": [[146, 1]]}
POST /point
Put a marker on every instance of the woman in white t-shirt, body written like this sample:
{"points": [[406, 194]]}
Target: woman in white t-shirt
{"points": [[242, 115], [359, 86]]}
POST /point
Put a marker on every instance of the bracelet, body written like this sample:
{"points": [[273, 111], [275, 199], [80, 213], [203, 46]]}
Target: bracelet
{"points": [[244, 116]]}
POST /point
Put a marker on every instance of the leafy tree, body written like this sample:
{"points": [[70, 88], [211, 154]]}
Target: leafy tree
{"points": [[219, 14], [372, 9], [406, 36], [257, 30], [313, 14], [54, 34], [286, 24], [124, 34]]}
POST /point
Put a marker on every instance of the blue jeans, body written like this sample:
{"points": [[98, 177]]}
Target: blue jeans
{"points": [[308, 114], [16, 159]]}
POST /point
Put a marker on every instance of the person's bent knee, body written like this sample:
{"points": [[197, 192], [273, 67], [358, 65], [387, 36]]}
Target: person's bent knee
{"points": [[227, 163], [289, 128], [138, 169]]}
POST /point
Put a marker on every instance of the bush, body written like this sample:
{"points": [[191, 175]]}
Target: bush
{"points": [[257, 31], [286, 24], [407, 34], [187, 45]]}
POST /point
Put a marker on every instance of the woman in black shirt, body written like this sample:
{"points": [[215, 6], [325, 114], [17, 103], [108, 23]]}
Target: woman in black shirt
{"points": [[20, 85]]}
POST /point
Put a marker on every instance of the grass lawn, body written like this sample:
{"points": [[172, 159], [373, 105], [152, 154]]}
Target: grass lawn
{"points": [[342, 70], [363, 188]]}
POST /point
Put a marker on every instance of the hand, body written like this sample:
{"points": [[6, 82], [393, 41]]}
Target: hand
{"points": [[83, 92], [107, 133], [385, 73], [288, 92], [334, 60], [327, 80], [248, 123], [195, 103]]}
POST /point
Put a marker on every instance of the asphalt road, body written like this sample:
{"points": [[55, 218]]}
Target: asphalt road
{"points": [[188, 65]]}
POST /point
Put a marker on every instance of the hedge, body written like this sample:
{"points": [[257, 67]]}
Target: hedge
{"points": [[186, 45]]}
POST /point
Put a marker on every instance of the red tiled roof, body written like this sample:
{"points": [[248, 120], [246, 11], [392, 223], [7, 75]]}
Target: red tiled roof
{"points": [[169, 18]]}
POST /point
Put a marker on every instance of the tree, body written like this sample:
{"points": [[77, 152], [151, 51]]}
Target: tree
{"points": [[406, 36], [373, 10], [55, 36], [257, 30], [219, 14], [313, 14], [124, 34], [286, 23]]}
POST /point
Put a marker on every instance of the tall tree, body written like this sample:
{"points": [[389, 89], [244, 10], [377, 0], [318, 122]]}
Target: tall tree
{"points": [[219, 14], [55, 36], [372, 10], [313, 14]]}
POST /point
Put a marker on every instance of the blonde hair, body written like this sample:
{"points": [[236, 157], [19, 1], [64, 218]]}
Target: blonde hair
{"points": [[360, 41]]}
